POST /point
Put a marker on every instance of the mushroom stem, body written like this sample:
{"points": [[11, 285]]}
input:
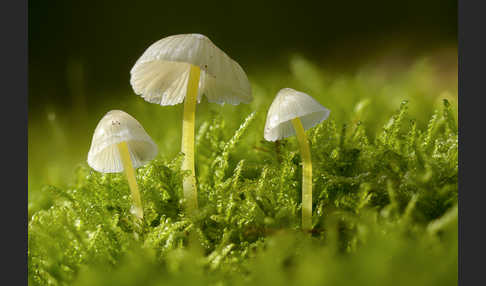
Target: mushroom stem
{"points": [[306, 174], [132, 183], [189, 183]]}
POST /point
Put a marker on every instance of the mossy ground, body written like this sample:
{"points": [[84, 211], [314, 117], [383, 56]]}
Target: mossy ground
{"points": [[384, 190]]}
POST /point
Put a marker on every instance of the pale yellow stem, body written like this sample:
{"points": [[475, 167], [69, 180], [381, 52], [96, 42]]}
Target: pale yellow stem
{"points": [[306, 174], [189, 183], [137, 209]]}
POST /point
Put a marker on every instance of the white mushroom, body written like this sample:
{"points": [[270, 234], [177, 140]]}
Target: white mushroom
{"points": [[291, 113], [184, 68], [161, 74], [120, 143], [290, 104]]}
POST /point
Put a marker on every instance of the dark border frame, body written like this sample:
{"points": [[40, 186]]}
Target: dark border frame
{"points": [[13, 23], [471, 64]]}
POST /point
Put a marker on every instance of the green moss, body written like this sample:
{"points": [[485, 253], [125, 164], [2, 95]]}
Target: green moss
{"points": [[384, 203]]}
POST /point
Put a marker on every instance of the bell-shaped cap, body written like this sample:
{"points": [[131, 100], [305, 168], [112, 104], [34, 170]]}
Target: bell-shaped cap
{"points": [[115, 127], [290, 104], [160, 75]]}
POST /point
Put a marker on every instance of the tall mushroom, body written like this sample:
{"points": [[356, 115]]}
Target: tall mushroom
{"points": [[291, 113], [120, 143], [182, 68]]}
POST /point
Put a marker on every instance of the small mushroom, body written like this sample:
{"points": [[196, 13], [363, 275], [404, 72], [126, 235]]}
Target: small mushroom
{"points": [[120, 143], [291, 113], [183, 68]]}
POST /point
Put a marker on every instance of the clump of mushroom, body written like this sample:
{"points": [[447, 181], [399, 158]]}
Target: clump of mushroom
{"points": [[182, 68], [121, 144], [291, 113]]}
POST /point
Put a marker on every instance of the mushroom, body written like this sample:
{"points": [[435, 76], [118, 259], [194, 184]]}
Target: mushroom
{"points": [[291, 113], [120, 143], [182, 68]]}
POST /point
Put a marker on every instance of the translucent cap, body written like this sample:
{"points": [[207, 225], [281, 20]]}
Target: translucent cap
{"points": [[290, 104], [115, 127], [160, 75]]}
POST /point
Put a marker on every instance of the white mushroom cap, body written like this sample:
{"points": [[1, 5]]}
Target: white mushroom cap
{"points": [[160, 75], [115, 127], [290, 104]]}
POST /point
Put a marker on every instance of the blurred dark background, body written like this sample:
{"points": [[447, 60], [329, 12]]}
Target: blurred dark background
{"points": [[81, 53], [101, 40]]}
